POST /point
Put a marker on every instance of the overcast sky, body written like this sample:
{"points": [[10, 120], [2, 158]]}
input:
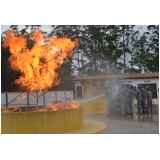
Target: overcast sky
{"points": [[48, 28]]}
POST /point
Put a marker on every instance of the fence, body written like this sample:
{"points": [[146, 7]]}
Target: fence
{"points": [[10, 99]]}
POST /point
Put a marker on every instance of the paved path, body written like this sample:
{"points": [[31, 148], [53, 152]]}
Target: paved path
{"points": [[142, 124]]}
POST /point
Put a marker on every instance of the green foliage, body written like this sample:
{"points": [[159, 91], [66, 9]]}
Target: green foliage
{"points": [[146, 50]]}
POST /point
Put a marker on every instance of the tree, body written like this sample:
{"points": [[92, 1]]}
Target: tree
{"points": [[113, 52], [152, 63], [125, 44], [146, 50]]}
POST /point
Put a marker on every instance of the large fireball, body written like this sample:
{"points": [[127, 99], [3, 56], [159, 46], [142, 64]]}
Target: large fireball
{"points": [[38, 65]]}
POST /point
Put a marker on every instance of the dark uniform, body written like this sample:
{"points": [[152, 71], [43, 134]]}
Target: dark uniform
{"points": [[130, 92], [143, 92], [110, 106], [138, 95], [114, 103], [149, 99], [124, 95]]}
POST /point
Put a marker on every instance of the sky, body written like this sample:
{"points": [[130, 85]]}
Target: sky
{"points": [[48, 28]]}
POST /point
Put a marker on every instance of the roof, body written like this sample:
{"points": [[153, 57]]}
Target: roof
{"points": [[119, 76]]}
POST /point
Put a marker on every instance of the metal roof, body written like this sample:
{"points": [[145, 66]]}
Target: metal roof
{"points": [[119, 76]]}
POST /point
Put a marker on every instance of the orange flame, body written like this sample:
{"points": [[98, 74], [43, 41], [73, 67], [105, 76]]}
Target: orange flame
{"points": [[59, 106], [14, 109], [52, 107], [17, 109], [21, 96], [38, 65], [6, 110]]}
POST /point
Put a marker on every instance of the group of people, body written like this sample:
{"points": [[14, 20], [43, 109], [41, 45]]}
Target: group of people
{"points": [[120, 99], [144, 99]]}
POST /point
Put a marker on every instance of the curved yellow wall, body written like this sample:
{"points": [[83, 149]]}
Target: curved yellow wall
{"points": [[41, 122], [95, 106]]}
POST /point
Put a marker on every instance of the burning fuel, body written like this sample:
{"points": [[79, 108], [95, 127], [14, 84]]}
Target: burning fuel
{"points": [[50, 107], [14, 109], [37, 65], [59, 106]]}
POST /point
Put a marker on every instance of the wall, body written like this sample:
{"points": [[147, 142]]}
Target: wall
{"points": [[78, 83], [92, 88], [145, 81], [30, 99], [41, 122], [96, 106]]}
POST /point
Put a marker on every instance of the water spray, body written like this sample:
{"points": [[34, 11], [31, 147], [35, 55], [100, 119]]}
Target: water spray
{"points": [[90, 99], [84, 100]]}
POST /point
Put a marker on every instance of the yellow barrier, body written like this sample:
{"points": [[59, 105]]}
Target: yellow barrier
{"points": [[95, 106], [41, 122]]}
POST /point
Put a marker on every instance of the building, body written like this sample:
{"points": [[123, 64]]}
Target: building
{"points": [[92, 86]]}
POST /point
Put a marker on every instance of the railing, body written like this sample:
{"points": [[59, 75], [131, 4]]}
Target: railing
{"points": [[10, 99]]}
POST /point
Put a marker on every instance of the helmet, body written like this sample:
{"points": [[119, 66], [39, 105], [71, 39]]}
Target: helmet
{"points": [[147, 87], [131, 86], [139, 86]]}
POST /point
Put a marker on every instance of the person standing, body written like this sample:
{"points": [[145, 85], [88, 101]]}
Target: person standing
{"points": [[143, 92], [149, 99], [124, 96], [138, 95], [110, 106], [131, 100], [117, 102]]}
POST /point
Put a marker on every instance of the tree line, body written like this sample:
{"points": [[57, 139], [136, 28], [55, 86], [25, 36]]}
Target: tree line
{"points": [[102, 50]]}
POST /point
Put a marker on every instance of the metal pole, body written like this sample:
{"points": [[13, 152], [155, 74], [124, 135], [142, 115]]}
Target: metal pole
{"points": [[7, 103], [6, 100], [28, 99], [37, 98], [44, 99], [56, 95], [65, 96]]}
